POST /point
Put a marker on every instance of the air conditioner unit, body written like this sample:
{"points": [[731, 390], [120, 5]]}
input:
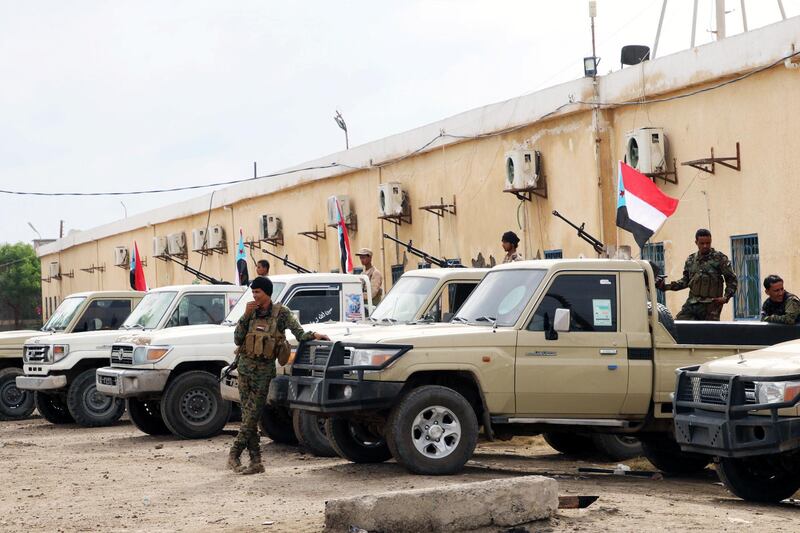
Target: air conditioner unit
{"points": [[216, 238], [55, 269], [199, 241], [270, 228], [344, 204], [121, 256], [160, 247], [646, 150], [176, 243], [390, 199], [522, 169]]}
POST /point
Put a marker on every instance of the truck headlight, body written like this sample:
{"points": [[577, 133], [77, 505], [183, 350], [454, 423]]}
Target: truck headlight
{"points": [[60, 351], [776, 391], [371, 356], [149, 354]]}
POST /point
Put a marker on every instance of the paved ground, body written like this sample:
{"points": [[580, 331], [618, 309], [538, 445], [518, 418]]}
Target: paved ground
{"points": [[66, 478]]}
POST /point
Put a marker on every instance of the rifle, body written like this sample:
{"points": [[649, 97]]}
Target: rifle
{"points": [[285, 260], [443, 263], [230, 368], [598, 246], [197, 273]]}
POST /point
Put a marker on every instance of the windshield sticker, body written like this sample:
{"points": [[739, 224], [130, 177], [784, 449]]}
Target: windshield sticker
{"points": [[602, 312], [353, 307], [605, 282]]}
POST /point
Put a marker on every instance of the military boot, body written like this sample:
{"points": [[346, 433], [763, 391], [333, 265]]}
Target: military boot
{"points": [[234, 463], [255, 466]]}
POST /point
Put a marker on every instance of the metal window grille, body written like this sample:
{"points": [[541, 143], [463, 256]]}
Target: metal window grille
{"points": [[397, 271], [747, 301], [654, 252], [553, 254]]}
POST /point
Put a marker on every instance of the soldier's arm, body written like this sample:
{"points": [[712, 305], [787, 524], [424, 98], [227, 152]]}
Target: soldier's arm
{"points": [[791, 312], [288, 321], [680, 284], [731, 281], [241, 330]]}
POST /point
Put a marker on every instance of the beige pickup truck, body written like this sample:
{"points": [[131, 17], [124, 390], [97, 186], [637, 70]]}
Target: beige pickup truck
{"points": [[554, 346]]}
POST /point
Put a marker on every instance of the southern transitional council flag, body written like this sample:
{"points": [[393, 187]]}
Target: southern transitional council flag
{"points": [[242, 275], [641, 207], [346, 258], [138, 282]]}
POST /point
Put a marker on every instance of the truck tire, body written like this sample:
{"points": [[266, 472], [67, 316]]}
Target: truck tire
{"points": [[90, 408], [15, 404], [667, 320], [52, 407], [666, 455], [617, 447], [276, 423], [310, 431], [765, 478], [146, 416], [354, 442], [572, 444], [192, 406], [417, 444]]}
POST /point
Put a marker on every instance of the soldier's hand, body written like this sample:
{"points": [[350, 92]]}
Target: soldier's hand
{"points": [[321, 337], [660, 284], [250, 308]]}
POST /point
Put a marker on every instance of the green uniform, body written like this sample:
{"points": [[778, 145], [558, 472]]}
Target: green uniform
{"points": [[785, 312], [704, 276], [256, 336]]}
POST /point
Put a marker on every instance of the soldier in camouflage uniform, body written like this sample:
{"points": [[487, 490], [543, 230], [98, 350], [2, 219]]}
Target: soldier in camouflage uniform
{"points": [[259, 334], [703, 274], [781, 306]]}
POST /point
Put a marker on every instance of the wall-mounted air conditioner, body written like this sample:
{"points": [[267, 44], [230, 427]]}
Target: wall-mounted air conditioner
{"points": [[176, 243], [216, 238], [646, 150], [390, 199], [522, 169], [160, 247], [199, 241], [344, 204], [271, 228], [55, 269], [121, 257]]}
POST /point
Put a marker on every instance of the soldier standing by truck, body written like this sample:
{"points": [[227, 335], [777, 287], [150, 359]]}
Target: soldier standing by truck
{"points": [[510, 242], [704, 273], [260, 337], [374, 275]]}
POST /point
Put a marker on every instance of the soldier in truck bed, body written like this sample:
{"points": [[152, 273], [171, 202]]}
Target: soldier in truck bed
{"points": [[781, 306], [704, 273]]}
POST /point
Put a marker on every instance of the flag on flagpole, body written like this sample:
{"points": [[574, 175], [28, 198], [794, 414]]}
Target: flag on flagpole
{"points": [[346, 258], [242, 275], [641, 206], [138, 282]]}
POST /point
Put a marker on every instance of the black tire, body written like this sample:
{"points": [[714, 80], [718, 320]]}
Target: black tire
{"points": [[146, 416], [667, 320], [666, 455], [192, 406], [52, 407], [90, 408], [310, 432], [276, 423], [617, 447], [15, 404], [769, 478], [354, 442], [418, 412], [572, 444]]}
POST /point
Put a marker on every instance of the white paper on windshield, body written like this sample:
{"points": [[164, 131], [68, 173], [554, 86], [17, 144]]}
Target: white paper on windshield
{"points": [[602, 312]]}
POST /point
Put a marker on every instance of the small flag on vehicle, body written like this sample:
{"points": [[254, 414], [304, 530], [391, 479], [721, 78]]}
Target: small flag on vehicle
{"points": [[641, 206]]}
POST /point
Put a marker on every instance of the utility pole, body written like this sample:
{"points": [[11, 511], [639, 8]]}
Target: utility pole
{"points": [[596, 123], [61, 230], [343, 125], [720, 5]]}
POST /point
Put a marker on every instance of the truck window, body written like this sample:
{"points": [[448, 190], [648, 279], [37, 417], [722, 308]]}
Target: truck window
{"points": [[194, 309], [451, 298], [316, 305], [63, 314], [403, 302], [591, 299], [501, 297], [103, 314]]}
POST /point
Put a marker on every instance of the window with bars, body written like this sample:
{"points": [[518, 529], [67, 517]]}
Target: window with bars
{"points": [[553, 254], [654, 252], [747, 301]]}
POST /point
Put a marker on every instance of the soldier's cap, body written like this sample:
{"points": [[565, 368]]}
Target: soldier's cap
{"points": [[364, 251], [263, 283]]}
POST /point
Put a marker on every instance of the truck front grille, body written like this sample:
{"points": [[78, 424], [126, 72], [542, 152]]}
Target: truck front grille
{"points": [[122, 354], [36, 353], [713, 391]]}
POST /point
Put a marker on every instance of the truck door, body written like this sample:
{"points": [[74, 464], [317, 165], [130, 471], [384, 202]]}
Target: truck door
{"points": [[581, 371]]}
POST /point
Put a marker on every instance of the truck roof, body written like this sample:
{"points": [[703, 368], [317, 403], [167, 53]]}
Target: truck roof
{"points": [[201, 288], [316, 277], [575, 264], [446, 273], [112, 294]]}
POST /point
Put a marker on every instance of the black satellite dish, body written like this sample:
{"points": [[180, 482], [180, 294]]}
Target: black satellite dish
{"points": [[633, 54]]}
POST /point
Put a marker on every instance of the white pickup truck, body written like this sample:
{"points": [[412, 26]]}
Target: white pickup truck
{"points": [[60, 368], [77, 312], [170, 378]]}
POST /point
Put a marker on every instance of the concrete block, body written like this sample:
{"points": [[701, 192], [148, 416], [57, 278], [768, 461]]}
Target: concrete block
{"points": [[464, 506]]}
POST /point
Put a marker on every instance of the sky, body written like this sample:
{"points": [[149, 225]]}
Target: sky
{"points": [[124, 95]]}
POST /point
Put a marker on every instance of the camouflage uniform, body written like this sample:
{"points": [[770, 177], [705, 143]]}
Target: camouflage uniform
{"points": [[256, 372], [703, 275], [785, 312]]}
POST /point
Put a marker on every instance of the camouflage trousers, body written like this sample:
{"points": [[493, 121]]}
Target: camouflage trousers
{"points": [[700, 311], [254, 377]]}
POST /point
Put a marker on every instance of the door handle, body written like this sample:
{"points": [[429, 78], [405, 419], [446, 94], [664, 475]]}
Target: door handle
{"points": [[608, 351]]}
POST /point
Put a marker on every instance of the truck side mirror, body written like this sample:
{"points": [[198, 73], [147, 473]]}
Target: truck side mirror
{"points": [[562, 320]]}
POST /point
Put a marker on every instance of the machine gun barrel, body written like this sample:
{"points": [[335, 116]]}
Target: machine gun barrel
{"points": [[597, 244], [438, 261], [198, 274], [285, 260]]}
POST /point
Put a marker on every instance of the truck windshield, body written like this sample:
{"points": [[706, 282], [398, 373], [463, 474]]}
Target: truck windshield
{"points": [[62, 316], [148, 313], [238, 309], [500, 297], [402, 303]]}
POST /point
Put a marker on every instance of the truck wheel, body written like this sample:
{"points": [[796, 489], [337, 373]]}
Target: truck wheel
{"points": [[15, 404], [617, 447], [432, 430], [90, 408], [354, 442], [572, 444], [52, 407], [276, 423], [765, 478], [667, 456], [146, 416], [192, 406], [310, 431]]}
